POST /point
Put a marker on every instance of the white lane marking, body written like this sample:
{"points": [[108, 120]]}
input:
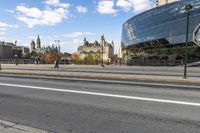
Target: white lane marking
{"points": [[104, 94]]}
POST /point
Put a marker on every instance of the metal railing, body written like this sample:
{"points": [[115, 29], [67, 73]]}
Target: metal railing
{"points": [[14, 61]]}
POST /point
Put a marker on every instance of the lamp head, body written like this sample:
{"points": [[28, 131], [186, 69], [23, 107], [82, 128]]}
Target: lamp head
{"points": [[188, 7]]}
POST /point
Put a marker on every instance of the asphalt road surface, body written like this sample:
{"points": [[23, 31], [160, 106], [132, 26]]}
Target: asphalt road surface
{"points": [[85, 107]]}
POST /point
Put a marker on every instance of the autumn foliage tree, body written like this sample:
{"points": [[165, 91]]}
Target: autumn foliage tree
{"points": [[50, 57], [75, 57]]}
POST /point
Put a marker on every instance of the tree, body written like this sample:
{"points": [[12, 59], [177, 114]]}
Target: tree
{"points": [[51, 56], [89, 59], [33, 54], [97, 58], [75, 57]]}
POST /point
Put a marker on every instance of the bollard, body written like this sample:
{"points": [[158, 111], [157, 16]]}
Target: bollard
{"points": [[0, 67]]}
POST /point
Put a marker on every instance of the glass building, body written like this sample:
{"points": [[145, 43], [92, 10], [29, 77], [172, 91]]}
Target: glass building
{"points": [[163, 25]]}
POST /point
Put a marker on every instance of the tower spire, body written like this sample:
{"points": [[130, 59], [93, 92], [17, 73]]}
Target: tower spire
{"points": [[38, 42]]}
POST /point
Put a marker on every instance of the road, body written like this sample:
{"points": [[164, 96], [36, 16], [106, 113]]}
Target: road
{"points": [[155, 71], [94, 107]]}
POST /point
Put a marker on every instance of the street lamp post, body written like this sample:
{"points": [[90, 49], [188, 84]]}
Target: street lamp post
{"points": [[187, 8], [16, 62], [102, 55]]}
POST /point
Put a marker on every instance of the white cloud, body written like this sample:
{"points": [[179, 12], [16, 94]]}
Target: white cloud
{"points": [[78, 34], [56, 3], [34, 37], [9, 11], [5, 26], [141, 5], [29, 12], [34, 16], [77, 41], [2, 33], [106, 7], [135, 5], [126, 5], [81, 9], [52, 2]]}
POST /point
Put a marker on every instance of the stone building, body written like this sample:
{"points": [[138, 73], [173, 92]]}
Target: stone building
{"points": [[97, 48], [163, 2], [33, 45], [36, 47]]}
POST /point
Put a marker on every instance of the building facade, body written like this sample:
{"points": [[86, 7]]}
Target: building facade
{"points": [[163, 27], [5, 51], [97, 48], [25, 51], [12, 51]]}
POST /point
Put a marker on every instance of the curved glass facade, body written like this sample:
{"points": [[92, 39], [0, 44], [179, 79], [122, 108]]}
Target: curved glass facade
{"points": [[165, 22]]}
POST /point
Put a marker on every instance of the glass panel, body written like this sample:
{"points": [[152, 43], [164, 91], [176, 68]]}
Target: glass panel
{"points": [[197, 35]]}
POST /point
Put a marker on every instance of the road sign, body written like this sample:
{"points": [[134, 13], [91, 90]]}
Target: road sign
{"points": [[196, 36]]}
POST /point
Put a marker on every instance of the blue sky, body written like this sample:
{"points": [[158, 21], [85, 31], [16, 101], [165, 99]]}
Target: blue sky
{"points": [[66, 20]]}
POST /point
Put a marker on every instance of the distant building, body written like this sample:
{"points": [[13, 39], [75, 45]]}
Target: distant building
{"points": [[5, 51], [25, 50], [17, 53], [11, 51], [96, 48], [32, 45], [40, 49], [163, 2]]}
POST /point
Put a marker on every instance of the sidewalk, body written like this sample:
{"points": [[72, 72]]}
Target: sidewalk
{"points": [[107, 67], [9, 127]]}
